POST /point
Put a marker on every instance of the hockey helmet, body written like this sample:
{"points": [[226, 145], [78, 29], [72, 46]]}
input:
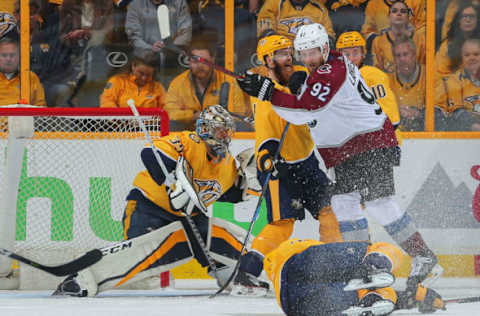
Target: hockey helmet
{"points": [[311, 36], [7, 23], [215, 127], [351, 39], [268, 45]]}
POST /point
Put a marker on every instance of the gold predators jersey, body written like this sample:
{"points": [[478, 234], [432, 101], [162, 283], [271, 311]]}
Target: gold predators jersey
{"points": [[285, 19], [274, 261], [410, 94], [210, 179], [377, 12], [379, 83], [458, 91], [382, 49], [298, 144]]}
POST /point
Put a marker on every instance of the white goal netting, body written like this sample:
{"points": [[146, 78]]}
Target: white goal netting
{"points": [[72, 169]]}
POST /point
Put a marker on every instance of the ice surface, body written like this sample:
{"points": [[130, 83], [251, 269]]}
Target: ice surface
{"points": [[191, 303]]}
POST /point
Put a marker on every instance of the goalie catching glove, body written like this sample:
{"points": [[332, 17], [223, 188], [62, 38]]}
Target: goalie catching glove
{"points": [[184, 197], [257, 86]]}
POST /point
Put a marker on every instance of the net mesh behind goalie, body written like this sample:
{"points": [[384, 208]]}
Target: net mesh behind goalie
{"points": [[76, 169]]}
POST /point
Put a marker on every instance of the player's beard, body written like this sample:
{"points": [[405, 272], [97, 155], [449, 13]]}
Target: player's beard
{"points": [[283, 72]]}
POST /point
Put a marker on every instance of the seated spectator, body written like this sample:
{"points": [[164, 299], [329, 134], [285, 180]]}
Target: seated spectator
{"points": [[459, 94], [49, 57], [142, 29], [449, 56], [10, 79], [197, 88], [450, 12], [353, 46], [138, 84], [377, 16], [398, 17], [408, 84], [286, 16]]}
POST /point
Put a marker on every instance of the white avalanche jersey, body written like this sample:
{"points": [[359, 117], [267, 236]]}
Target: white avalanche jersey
{"points": [[342, 113]]}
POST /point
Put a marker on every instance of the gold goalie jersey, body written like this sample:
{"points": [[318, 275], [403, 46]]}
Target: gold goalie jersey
{"points": [[298, 144], [210, 179], [285, 19]]}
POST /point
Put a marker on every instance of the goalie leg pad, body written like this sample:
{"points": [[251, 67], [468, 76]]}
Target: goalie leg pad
{"points": [[141, 257]]}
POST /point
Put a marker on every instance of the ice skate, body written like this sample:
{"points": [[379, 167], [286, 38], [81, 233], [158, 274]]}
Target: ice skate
{"points": [[421, 268], [382, 307], [375, 280], [246, 284], [70, 287]]}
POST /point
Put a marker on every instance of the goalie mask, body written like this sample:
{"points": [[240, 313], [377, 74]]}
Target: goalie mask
{"points": [[215, 127]]}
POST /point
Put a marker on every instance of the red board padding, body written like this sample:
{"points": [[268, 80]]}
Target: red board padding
{"points": [[476, 263], [165, 279]]}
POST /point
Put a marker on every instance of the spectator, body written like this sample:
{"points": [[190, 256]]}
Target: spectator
{"points": [[408, 84], [346, 15], [399, 27], [459, 94], [10, 79], [138, 84], [377, 15], [450, 12], [194, 90], [286, 16], [449, 56], [49, 57], [143, 32]]}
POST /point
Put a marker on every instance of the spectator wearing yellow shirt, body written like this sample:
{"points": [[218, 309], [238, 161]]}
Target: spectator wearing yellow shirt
{"points": [[377, 12], [10, 79], [459, 94], [198, 88], [399, 27], [464, 25], [450, 12], [286, 16], [138, 84]]}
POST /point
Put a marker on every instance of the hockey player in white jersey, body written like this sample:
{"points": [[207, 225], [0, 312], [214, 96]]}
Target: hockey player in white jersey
{"points": [[354, 137]]}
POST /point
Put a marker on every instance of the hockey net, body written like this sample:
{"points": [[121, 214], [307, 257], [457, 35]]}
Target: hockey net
{"points": [[65, 176]]}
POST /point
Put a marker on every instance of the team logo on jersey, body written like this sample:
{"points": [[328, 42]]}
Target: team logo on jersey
{"points": [[208, 190], [293, 24], [324, 69]]}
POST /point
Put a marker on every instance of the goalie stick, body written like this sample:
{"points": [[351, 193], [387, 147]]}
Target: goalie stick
{"points": [[255, 214], [65, 269], [170, 180], [463, 300]]}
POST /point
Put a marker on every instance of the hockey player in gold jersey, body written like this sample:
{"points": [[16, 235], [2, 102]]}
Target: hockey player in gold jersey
{"points": [[286, 16], [298, 182], [157, 236], [353, 46], [312, 278], [459, 94]]}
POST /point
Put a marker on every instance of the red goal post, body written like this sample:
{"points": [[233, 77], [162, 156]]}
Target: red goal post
{"points": [[65, 175]]}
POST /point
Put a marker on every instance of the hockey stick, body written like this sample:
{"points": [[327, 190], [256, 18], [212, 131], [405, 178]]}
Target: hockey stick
{"points": [[463, 300], [170, 180], [65, 269], [255, 214], [223, 101]]}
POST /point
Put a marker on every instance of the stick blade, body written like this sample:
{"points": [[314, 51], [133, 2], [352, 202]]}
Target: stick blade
{"points": [[163, 21]]}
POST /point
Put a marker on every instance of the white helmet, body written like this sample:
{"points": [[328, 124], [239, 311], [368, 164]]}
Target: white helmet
{"points": [[311, 36]]}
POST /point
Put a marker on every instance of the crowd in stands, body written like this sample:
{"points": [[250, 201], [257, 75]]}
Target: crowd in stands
{"points": [[89, 53]]}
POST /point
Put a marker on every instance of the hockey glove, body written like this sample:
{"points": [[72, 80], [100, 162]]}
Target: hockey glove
{"points": [[180, 200], [256, 86], [297, 79], [427, 300], [265, 163], [248, 174]]}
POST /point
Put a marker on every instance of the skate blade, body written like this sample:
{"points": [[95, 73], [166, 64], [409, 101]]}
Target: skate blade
{"points": [[378, 308], [243, 291], [383, 279], [435, 274]]}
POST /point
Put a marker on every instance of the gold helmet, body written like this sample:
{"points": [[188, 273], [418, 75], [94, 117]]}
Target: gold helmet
{"points": [[270, 44], [350, 39]]}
